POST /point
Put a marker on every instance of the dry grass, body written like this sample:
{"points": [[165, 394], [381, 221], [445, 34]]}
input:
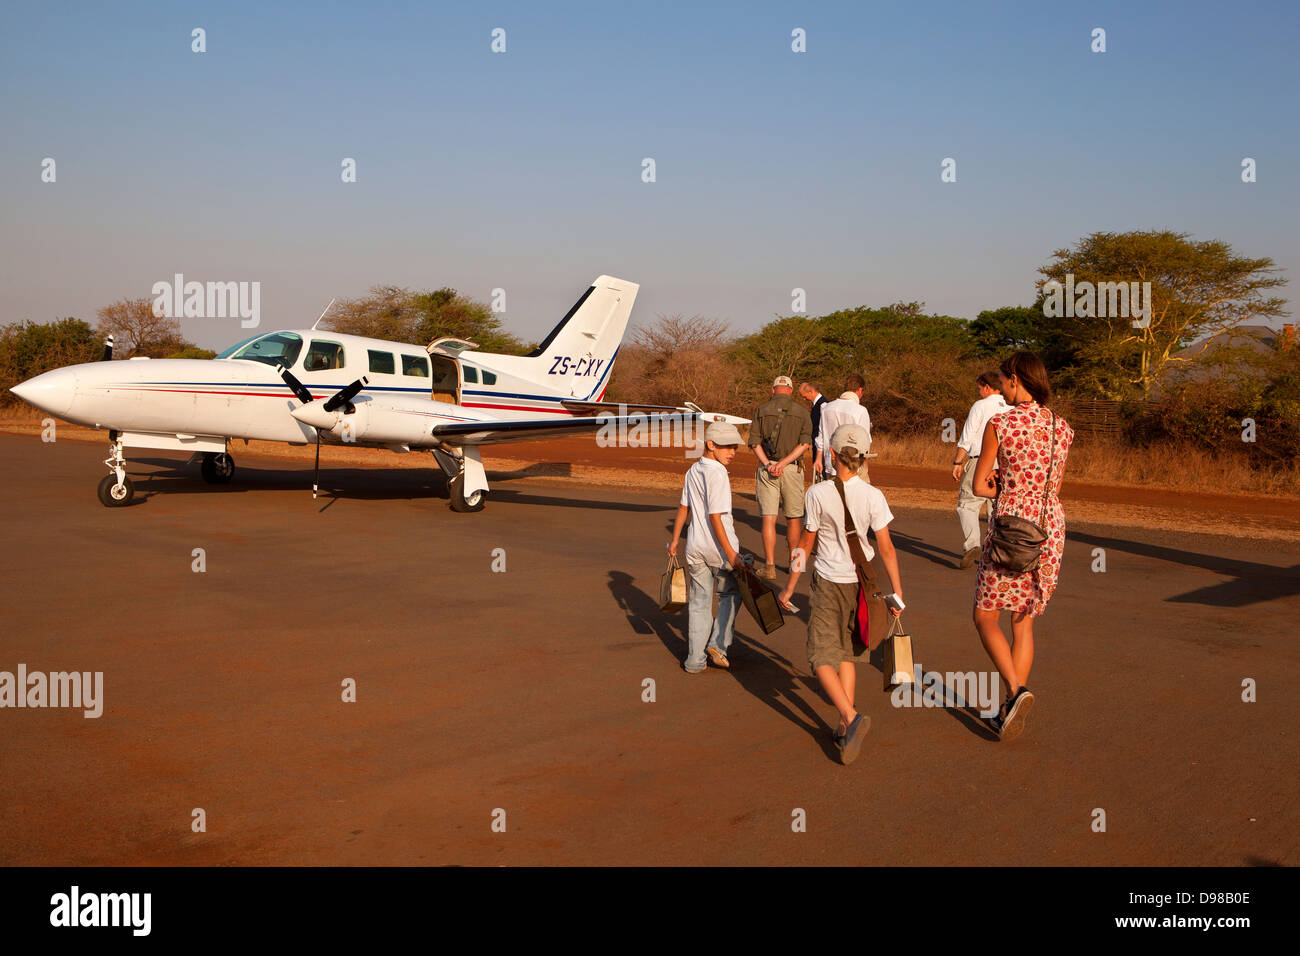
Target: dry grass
{"points": [[1091, 459], [1107, 461]]}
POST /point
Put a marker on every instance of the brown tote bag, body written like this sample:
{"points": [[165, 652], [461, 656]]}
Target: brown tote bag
{"points": [[759, 599]]}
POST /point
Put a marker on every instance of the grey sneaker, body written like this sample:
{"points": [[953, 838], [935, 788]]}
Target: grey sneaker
{"points": [[853, 738]]}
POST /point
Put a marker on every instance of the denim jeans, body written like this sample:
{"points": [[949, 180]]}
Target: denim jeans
{"points": [[703, 629]]}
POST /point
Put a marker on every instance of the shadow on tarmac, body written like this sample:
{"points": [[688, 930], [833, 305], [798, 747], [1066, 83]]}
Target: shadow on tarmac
{"points": [[1251, 582], [171, 476], [759, 669]]}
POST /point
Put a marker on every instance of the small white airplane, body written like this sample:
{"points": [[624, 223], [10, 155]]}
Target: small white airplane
{"points": [[303, 385]]}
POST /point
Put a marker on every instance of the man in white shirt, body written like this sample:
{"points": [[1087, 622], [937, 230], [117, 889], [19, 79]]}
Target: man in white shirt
{"points": [[968, 452], [845, 410], [712, 550], [835, 577]]}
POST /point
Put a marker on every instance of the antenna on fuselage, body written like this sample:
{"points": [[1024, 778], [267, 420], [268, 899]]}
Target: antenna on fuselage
{"points": [[323, 314]]}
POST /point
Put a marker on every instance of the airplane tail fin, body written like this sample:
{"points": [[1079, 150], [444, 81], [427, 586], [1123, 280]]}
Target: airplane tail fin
{"points": [[575, 359]]}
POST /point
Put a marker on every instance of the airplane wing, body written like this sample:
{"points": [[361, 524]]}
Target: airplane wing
{"points": [[614, 408], [495, 433]]}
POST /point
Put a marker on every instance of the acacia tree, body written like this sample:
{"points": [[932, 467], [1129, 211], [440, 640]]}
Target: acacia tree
{"points": [[791, 345], [137, 330], [1198, 289]]}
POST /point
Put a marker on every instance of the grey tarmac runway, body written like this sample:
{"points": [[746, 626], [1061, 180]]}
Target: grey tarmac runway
{"points": [[481, 691]]}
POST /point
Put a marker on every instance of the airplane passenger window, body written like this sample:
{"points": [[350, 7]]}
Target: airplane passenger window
{"points": [[323, 356], [415, 365], [489, 378], [381, 362], [471, 373], [278, 348]]}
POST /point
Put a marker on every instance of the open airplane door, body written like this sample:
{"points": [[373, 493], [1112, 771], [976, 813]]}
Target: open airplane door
{"points": [[444, 361]]}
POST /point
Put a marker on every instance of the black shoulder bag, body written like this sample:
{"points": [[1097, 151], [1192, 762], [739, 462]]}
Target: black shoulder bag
{"points": [[1016, 543]]}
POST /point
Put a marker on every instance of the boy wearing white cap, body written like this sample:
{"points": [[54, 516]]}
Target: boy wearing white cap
{"points": [[712, 549], [835, 579]]}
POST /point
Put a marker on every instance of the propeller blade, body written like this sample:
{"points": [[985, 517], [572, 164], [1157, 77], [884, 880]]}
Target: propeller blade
{"points": [[108, 349], [299, 390], [346, 395], [315, 478]]}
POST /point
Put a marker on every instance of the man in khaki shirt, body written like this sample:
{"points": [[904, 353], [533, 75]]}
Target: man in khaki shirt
{"points": [[780, 434]]}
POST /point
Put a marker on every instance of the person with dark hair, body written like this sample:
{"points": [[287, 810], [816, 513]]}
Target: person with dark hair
{"points": [[969, 448], [845, 410], [1030, 444]]}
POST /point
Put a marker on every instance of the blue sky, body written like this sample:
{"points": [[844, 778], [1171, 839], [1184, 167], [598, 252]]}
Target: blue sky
{"points": [[522, 170]]}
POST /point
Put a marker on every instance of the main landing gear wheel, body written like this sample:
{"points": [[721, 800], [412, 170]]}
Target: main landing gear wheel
{"points": [[459, 502], [115, 495], [217, 468]]}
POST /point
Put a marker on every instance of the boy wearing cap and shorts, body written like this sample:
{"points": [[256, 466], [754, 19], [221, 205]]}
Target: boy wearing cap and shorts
{"points": [[781, 433], [835, 579], [712, 550]]}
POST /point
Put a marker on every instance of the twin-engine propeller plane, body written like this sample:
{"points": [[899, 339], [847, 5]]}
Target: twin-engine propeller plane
{"points": [[302, 385]]}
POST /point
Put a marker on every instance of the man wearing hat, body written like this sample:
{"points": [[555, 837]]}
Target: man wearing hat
{"points": [[781, 433], [835, 578], [712, 550]]}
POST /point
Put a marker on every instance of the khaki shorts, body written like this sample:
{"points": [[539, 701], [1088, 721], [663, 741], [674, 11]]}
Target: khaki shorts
{"points": [[784, 494], [829, 640]]}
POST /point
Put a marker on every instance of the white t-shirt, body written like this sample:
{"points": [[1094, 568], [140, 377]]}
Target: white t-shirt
{"points": [[972, 434], [707, 491], [845, 410], [824, 513]]}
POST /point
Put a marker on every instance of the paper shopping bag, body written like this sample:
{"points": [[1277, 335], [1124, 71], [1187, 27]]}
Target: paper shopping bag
{"points": [[898, 655], [672, 587]]}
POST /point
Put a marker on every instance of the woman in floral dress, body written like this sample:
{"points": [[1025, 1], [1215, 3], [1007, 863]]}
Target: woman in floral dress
{"points": [[1021, 441]]}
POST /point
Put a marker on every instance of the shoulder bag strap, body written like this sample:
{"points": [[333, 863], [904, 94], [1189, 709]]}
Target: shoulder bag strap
{"points": [[1047, 485], [855, 545]]}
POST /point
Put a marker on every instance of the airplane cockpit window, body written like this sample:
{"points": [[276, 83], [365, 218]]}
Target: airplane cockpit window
{"points": [[415, 365], [381, 362], [278, 348], [323, 356], [227, 353]]}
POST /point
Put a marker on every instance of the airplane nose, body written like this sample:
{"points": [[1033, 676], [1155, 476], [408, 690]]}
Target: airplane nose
{"points": [[51, 392]]}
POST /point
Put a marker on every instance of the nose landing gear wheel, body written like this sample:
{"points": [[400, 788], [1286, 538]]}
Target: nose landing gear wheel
{"points": [[459, 501], [217, 468], [113, 495]]}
